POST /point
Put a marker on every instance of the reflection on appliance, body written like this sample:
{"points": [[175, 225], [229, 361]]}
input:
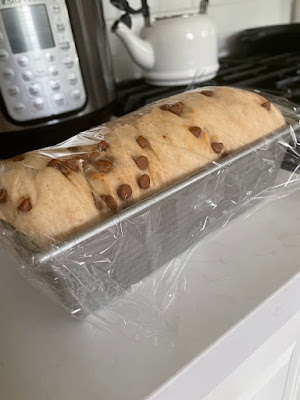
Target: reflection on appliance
{"points": [[28, 28]]}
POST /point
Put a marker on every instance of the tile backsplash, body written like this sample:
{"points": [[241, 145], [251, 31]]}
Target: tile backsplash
{"points": [[230, 17]]}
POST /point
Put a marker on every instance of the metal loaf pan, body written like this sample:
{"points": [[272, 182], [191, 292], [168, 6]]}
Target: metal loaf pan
{"points": [[94, 266]]}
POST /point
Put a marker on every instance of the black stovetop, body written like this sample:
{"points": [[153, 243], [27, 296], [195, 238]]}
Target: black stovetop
{"points": [[275, 74]]}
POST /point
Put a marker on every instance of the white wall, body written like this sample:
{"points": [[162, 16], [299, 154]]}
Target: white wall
{"points": [[230, 17]]}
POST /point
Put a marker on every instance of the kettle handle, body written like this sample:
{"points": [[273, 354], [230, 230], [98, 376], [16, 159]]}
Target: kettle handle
{"points": [[124, 5], [203, 6], [146, 12]]}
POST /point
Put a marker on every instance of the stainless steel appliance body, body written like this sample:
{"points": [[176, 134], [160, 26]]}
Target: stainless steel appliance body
{"points": [[55, 70]]}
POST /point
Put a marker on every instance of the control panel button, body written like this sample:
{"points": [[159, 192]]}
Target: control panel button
{"points": [[27, 76], [60, 26], [34, 89], [22, 61], [68, 62], [73, 79], [76, 95], [38, 103], [8, 73], [13, 90], [3, 55], [64, 45], [19, 107], [53, 71], [56, 8], [55, 85], [50, 57], [59, 99], [40, 73], [62, 37]]}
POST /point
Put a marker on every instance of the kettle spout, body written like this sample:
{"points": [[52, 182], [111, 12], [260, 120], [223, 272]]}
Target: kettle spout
{"points": [[140, 50]]}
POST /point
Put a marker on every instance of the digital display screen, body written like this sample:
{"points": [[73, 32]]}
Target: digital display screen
{"points": [[28, 28]]}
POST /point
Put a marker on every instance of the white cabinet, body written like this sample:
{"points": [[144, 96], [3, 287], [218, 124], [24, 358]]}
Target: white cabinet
{"points": [[263, 375]]}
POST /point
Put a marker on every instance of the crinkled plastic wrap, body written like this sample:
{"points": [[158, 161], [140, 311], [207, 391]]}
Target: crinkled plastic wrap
{"points": [[127, 270]]}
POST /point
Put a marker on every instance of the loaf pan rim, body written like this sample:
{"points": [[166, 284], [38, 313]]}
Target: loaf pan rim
{"points": [[43, 256]]}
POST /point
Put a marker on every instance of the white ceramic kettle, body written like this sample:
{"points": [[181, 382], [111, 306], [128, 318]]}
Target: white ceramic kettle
{"points": [[175, 50]]}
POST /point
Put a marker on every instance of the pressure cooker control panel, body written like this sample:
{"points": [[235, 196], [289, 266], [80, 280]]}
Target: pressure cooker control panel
{"points": [[40, 73]]}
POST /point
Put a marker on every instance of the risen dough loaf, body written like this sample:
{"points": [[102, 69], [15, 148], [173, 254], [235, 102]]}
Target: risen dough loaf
{"points": [[51, 194]]}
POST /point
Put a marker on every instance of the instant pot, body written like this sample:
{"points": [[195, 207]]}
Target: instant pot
{"points": [[55, 71]]}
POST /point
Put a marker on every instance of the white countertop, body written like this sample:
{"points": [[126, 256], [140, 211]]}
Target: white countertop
{"points": [[45, 354]]}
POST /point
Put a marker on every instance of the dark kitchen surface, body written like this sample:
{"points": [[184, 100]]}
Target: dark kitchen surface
{"points": [[276, 74]]}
